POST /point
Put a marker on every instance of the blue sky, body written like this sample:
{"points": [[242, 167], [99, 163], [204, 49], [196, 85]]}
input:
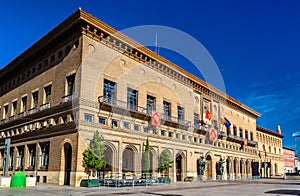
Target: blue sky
{"points": [[256, 44]]}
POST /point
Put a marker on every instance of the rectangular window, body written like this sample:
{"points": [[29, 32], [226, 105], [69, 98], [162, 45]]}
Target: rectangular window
{"points": [[246, 134], [131, 99], [154, 131], [31, 156], [45, 155], [47, 91], [170, 134], [136, 127], [102, 121], [109, 92], [196, 120], [177, 136], [70, 84], [125, 125], [24, 104], [88, 118], [180, 112], [14, 108], [146, 129], [35, 99], [5, 112], [114, 123], [251, 136], [151, 104], [183, 137], [162, 132], [234, 131], [167, 108], [241, 132], [195, 139]]}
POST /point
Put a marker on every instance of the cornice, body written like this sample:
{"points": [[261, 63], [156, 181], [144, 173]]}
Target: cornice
{"points": [[82, 23], [267, 131], [101, 31]]}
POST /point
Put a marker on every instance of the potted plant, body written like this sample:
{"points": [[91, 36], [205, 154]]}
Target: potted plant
{"points": [[93, 160]]}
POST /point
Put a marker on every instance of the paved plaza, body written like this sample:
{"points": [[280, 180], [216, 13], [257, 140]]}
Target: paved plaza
{"points": [[242, 187]]}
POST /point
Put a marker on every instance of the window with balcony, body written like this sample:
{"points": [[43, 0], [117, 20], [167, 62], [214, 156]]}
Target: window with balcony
{"points": [[251, 136], [131, 99], [196, 120], [234, 130], [14, 108], [5, 112], [167, 108], [109, 91], [246, 134], [180, 113], [151, 104], [241, 132], [47, 93], [24, 104], [35, 99], [70, 84]]}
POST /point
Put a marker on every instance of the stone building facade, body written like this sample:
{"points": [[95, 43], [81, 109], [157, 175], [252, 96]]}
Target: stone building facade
{"points": [[270, 152], [84, 76]]}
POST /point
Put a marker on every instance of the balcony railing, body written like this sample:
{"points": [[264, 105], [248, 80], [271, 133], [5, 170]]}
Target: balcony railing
{"points": [[45, 106], [67, 98], [252, 143], [32, 111], [235, 138], [22, 114], [222, 134], [2, 121], [11, 118], [122, 107]]}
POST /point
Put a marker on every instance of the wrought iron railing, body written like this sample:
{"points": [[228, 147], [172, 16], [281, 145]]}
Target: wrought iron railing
{"points": [[67, 98], [45, 106]]}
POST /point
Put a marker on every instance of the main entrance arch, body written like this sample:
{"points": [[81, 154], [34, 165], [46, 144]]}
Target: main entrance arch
{"points": [[67, 150]]}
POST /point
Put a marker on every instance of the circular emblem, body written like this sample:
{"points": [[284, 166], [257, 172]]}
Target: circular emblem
{"points": [[155, 119], [213, 135]]}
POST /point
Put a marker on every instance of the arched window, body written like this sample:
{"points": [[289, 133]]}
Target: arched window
{"points": [[270, 149]]}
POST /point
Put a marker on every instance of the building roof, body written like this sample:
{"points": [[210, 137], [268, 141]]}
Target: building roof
{"points": [[81, 21], [267, 131], [288, 148]]}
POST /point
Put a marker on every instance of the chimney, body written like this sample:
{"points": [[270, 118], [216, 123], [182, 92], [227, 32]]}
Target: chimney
{"points": [[278, 129]]}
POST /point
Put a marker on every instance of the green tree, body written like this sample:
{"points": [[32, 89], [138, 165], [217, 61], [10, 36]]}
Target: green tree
{"points": [[93, 156], [164, 161], [146, 159]]}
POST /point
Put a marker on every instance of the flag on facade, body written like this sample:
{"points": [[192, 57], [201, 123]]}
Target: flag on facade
{"points": [[155, 119], [265, 153], [208, 115], [227, 122], [245, 142], [213, 135]]}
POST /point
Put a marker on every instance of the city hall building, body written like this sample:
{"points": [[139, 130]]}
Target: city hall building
{"points": [[84, 76]]}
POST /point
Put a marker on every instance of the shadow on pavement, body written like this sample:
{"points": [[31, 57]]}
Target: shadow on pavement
{"points": [[284, 191]]}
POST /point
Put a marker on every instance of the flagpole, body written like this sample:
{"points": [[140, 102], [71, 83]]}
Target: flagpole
{"points": [[156, 44]]}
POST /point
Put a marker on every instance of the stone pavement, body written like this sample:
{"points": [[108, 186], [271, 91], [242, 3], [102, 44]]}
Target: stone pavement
{"points": [[214, 188]]}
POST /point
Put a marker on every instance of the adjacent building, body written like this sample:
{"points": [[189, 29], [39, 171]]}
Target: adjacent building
{"points": [[290, 161], [85, 76], [270, 152]]}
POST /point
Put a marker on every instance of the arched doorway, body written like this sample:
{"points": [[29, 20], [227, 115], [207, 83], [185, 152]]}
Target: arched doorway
{"points": [[68, 163], [178, 167], [208, 169], [108, 158], [128, 164]]}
